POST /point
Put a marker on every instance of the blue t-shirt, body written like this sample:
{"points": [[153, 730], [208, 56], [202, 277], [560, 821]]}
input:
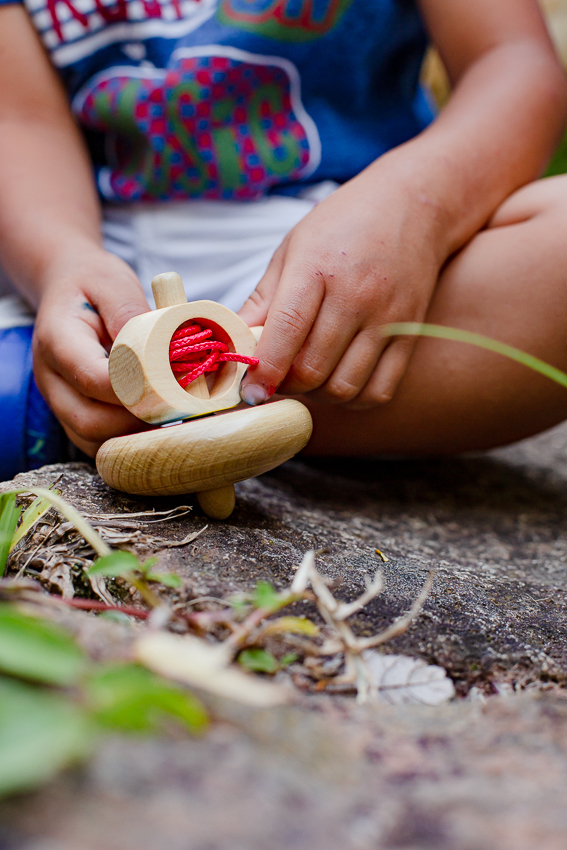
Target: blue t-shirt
{"points": [[233, 99]]}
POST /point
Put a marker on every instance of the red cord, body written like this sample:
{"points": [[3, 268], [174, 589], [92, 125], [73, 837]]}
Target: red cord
{"points": [[193, 353]]}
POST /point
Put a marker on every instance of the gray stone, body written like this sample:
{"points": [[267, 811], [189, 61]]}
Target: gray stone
{"points": [[487, 771]]}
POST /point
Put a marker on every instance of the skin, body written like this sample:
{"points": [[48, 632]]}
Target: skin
{"points": [[509, 283], [431, 230]]}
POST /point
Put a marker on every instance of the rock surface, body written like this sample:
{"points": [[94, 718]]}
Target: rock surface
{"points": [[486, 771]]}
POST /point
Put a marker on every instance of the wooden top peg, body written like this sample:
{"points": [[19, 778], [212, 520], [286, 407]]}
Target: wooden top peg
{"points": [[168, 290]]}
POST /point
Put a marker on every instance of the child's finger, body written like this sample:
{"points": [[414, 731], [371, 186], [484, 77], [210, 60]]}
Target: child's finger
{"points": [[329, 340], [115, 313], [255, 308], [289, 321], [86, 420], [77, 356], [386, 378], [356, 366]]}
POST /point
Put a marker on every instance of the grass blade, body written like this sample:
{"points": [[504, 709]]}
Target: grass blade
{"points": [[442, 332], [9, 516], [30, 517], [83, 527]]}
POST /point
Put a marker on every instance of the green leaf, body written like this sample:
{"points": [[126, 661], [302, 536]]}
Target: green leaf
{"points": [[258, 660], [168, 579], [118, 563], [442, 332], [40, 732], [9, 516], [131, 698], [38, 508], [288, 659], [34, 649], [148, 564], [266, 596]]}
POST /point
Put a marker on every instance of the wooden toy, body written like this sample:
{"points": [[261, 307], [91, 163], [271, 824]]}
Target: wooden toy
{"points": [[204, 343]]}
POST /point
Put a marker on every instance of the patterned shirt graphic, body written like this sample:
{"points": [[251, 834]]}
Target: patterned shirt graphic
{"points": [[233, 99]]}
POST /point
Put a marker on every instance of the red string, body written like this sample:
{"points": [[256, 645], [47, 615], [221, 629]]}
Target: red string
{"points": [[192, 352]]}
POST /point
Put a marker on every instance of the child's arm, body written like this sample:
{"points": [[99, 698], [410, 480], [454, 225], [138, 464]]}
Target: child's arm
{"points": [[371, 253], [50, 241]]}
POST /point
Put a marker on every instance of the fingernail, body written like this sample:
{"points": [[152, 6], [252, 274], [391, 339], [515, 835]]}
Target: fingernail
{"points": [[253, 394]]}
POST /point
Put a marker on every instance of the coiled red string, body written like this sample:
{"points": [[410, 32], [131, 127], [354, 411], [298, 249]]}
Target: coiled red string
{"points": [[192, 353]]}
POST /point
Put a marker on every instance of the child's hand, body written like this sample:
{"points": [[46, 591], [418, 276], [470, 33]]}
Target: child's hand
{"points": [[87, 298], [363, 257]]}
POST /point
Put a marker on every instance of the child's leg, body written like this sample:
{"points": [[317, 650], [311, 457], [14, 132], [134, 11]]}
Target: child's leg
{"points": [[509, 283]]}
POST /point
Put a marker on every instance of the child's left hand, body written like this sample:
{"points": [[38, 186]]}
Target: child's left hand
{"points": [[366, 256]]}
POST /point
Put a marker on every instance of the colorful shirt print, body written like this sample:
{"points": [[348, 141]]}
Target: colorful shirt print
{"points": [[223, 125], [233, 99], [285, 20]]}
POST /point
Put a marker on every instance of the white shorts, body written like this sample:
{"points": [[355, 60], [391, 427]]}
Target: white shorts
{"points": [[221, 249]]}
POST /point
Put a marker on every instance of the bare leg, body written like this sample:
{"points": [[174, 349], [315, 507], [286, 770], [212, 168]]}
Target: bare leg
{"points": [[509, 283]]}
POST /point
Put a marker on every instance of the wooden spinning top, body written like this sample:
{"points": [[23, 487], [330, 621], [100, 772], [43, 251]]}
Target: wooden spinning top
{"points": [[208, 455]]}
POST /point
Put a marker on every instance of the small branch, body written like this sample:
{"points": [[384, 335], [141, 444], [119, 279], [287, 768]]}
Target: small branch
{"points": [[93, 605], [403, 623], [374, 589]]}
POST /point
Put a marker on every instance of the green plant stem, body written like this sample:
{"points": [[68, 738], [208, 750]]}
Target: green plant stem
{"points": [[141, 585], [456, 335]]}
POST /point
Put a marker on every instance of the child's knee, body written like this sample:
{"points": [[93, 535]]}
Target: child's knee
{"points": [[541, 196]]}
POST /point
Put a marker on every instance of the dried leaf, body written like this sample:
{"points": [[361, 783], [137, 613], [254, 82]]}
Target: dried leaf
{"points": [[189, 539], [293, 625], [194, 662], [172, 513], [99, 588], [58, 574], [399, 679]]}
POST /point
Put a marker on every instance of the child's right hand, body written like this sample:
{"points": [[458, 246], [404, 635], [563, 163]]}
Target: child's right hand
{"points": [[87, 297]]}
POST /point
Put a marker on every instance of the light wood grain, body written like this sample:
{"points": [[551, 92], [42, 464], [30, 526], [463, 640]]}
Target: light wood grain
{"points": [[168, 290], [141, 374], [256, 331], [219, 503], [206, 454]]}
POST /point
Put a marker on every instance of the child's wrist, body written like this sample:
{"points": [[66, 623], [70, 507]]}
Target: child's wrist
{"points": [[426, 185]]}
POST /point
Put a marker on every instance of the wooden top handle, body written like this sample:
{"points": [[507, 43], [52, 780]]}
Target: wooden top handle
{"points": [[168, 290]]}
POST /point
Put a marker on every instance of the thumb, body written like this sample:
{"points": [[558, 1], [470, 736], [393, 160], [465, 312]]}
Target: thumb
{"points": [[118, 298]]}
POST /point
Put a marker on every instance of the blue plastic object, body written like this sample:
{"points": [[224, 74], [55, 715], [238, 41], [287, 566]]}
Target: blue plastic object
{"points": [[30, 435]]}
